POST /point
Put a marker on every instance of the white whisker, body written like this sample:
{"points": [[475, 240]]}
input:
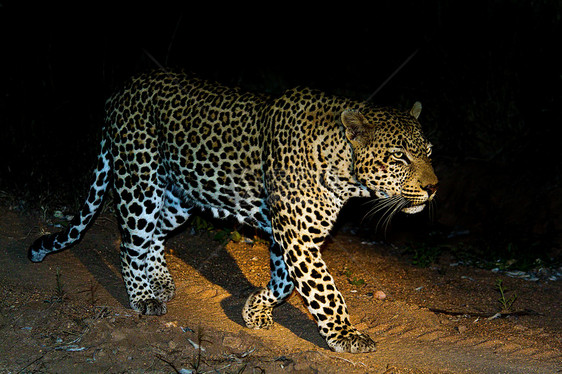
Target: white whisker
{"points": [[431, 208], [381, 204], [389, 207], [391, 212]]}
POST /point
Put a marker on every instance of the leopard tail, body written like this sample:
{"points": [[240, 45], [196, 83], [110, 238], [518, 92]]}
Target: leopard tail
{"points": [[61, 240]]}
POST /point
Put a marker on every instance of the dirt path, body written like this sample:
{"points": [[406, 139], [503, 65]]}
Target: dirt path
{"points": [[81, 322]]}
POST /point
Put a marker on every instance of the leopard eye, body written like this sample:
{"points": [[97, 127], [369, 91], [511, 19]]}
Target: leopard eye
{"points": [[400, 156]]}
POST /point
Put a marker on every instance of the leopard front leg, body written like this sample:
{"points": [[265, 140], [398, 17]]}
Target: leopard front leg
{"points": [[324, 301], [257, 312], [300, 229]]}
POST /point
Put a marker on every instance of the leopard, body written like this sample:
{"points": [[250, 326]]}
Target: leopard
{"points": [[283, 164]]}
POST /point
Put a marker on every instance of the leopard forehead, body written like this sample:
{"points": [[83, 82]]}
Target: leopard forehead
{"points": [[393, 129]]}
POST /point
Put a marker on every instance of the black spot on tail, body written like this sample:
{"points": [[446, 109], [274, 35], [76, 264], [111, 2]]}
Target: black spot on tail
{"points": [[41, 247]]}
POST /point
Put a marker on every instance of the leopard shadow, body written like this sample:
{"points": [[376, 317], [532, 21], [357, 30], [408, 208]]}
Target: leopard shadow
{"points": [[220, 268], [98, 264], [215, 264]]}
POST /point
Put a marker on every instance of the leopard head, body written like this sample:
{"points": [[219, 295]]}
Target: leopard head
{"points": [[391, 156]]}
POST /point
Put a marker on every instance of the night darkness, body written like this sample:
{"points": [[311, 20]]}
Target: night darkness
{"points": [[489, 75]]}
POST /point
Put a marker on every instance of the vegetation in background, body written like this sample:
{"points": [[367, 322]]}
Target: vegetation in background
{"points": [[353, 280], [505, 301]]}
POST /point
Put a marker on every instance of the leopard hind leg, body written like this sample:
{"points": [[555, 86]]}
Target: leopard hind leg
{"points": [[174, 213], [140, 198]]}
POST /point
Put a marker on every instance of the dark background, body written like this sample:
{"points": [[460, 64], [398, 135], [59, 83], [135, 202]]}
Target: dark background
{"points": [[488, 74]]}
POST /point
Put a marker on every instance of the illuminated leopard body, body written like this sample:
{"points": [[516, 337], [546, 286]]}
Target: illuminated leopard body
{"points": [[285, 165]]}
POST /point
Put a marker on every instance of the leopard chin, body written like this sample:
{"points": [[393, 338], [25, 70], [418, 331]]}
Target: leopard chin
{"points": [[413, 209]]}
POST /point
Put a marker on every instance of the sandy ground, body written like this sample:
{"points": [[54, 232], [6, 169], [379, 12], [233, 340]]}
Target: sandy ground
{"points": [[69, 314]]}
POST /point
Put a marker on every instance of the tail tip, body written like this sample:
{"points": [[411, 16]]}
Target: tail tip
{"points": [[37, 252]]}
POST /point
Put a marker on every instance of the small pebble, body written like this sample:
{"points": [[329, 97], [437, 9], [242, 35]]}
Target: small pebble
{"points": [[171, 324], [379, 295]]}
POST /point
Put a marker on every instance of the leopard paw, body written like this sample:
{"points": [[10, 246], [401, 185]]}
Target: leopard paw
{"points": [[152, 307], [256, 314], [352, 341]]}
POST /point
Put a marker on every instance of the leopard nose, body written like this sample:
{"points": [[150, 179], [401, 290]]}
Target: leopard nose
{"points": [[430, 189]]}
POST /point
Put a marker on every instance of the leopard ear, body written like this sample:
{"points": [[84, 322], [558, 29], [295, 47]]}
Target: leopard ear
{"points": [[416, 110], [356, 127]]}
